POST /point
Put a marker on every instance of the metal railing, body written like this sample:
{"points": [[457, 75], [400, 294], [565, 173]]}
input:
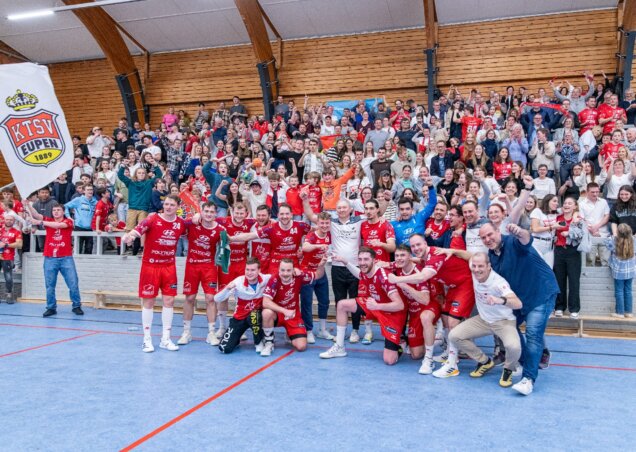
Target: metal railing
{"points": [[99, 248]]}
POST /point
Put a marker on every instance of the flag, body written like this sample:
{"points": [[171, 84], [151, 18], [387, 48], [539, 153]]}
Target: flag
{"points": [[329, 141], [34, 137], [189, 205]]}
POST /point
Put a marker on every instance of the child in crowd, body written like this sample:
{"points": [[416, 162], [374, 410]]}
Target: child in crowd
{"points": [[622, 263], [116, 225], [10, 240]]}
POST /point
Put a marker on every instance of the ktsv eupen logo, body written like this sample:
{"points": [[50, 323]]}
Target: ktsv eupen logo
{"points": [[34, 134]]}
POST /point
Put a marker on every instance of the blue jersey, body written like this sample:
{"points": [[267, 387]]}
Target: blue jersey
{"points": [[404, 229]]}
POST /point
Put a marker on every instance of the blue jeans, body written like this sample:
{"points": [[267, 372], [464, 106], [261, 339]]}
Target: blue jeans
{"points": [[623, 294], [65, 266], [221, 212], [532, 344], [321, 288]]}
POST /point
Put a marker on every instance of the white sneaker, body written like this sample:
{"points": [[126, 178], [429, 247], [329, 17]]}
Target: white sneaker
{"points": [[325, 335], [354, 338], [311, 339], [525, 386], [427, 366], [268, 348], [336, 351], [446, 371], [186, 338], [244, 337], [259, 347], [168, 345], [220, 333], [212, 339], [147, 346], [441, 358], [406, 349], [368, 338], [518, 371], [558, 313], [574, 315]]}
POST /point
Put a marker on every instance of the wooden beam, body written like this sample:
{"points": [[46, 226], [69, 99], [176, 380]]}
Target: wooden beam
{"points": [[629, 15], [430, 23], [269, 22], [8, 55], [105, 31]]}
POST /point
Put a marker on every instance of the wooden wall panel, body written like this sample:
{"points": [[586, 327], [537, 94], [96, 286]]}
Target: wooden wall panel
{"points": [[521, 52]]}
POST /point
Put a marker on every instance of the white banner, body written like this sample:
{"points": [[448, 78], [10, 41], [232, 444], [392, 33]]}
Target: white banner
{"points": [[34, 137]]}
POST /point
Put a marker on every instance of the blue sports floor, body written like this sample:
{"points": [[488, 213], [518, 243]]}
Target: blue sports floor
{"points": [[78, 384]]}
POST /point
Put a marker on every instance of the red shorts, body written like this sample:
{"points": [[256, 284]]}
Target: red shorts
{"points": [[415, 329], [295, 327], [236, 269], [204, 274], [155, 277], [460, 301], [391, 323]]}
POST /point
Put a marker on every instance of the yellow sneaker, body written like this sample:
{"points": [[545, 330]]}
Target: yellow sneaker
{"points": [[482, 369]]}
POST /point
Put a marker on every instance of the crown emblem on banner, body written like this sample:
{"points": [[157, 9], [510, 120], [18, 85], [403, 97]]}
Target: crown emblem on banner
{"points": [[22, 101]]}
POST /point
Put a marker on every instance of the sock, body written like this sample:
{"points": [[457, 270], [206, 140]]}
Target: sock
{"points": [[323, 325], [340, 335], [166, 322], [429, 351], [367, 327], [187, 325], [269, 334], [223, 319], [146, 321], [211, 327], [452, 355], [439, 329]]}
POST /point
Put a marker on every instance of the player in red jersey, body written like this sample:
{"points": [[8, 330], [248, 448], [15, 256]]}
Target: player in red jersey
{"points": [[314, 191], [377, 299], [281, 304], [10, 240], [589, 116], [609, 151], [262, 248], [454, 273], [285, 236], [608, 114], [469, 120], [7, 196], [315, 247], [377, 234], [424, 310], [158, 268], [201, 270], [437, 225]]}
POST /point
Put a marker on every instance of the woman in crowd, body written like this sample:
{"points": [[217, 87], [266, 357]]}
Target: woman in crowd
{"points": [[357, 183], [616, 178], [624, 210], [502, 166], [480, 158], [543, 227]]}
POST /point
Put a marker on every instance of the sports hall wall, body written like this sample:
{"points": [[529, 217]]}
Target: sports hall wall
{"points": [[522, 52]]}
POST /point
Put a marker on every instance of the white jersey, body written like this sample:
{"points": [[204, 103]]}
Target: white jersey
{"points": [[345, 240], [496, 286], [473, 241]]}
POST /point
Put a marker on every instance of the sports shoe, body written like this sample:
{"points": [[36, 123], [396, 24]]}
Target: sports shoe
{"points": [[629, 315], [186, 338], [311, 339], [77, 311], [259, 347], [427, 366], [524, 387], [49, 313], [336, 351], [441, 358], [220, 333], [212, 339], [446, 371], [168, 345], [574, 315], [325, 335], [499, 357], [518, 371], [618, 316], [268, 348], [10, 299], [482, 368], [506, 378], [368, 338], [354, 338], [558, 313], [545, 359], [243, 337], [147, 346]]}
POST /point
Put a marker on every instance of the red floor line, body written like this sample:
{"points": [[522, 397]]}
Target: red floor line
{"points": [[204, 403], [624, 369], [48, 345]]}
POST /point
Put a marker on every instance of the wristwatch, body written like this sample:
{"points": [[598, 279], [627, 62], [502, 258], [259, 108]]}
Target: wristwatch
{"points": [[505, 301]]}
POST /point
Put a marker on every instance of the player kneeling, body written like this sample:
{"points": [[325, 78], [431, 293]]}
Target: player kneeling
{"points": [[378, 299], [248, 293], [281, 304], [495, 302]]}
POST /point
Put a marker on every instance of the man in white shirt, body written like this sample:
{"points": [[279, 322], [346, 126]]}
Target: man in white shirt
{"points": [[494, 301], [543, 185], [595, 211], [96, 143]]}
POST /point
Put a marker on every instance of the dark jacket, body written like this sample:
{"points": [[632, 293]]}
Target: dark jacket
{"points": [[448, 163]]}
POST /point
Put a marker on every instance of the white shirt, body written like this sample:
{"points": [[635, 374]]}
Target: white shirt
{"points": [[345, 240], [242, 291], [593, 212], [155, 151], [496, 286], [616, 182], [543, 187], [544, 221]]}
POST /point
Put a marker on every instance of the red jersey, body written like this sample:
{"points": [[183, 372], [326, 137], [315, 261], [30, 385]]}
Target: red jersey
{"points": [[376, 286], [102, 209], [312, 259], [502, 170], [413, 305], [17, 206], [610, 152], [399, 116], [285, 242], [382, 230], [261, 248], [9, 236], [588, 119], [121, 225], [293, 199], [287, 295], [606, 111], [437, 230], [238, 250], [202, 243], [451, 272], [315, 198], [560, 240], [470, 124], [161, 238], [58, 242]]}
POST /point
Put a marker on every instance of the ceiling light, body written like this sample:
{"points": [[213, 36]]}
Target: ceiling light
{"points": [[31, 14], [51, 11]]}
